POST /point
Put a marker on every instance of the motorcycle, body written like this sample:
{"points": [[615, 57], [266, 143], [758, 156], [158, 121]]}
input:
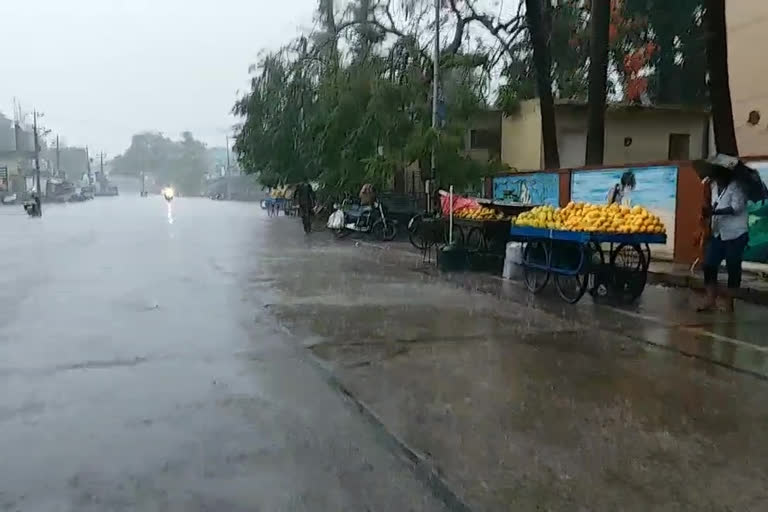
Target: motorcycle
{"points": [[168, 194], [370, 220], [32, 208]]}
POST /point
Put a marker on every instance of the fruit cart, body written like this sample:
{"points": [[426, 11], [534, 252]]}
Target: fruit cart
{"points": [[486, 229], [613, 264]]}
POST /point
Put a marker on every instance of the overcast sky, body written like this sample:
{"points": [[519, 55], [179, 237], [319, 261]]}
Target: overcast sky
{"points": [[102, 70]]}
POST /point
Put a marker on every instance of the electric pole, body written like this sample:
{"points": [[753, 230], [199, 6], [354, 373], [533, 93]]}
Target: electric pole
{"points": [[58, 162], [88, 169], [226, 172], [37, 163]]}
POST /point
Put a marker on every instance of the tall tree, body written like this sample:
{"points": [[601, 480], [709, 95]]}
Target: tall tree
{"points": [[719, 87], [539, 23], [598, 80]]}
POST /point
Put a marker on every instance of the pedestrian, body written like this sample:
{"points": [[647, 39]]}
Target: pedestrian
{"points": [[304, 196], [728, 238]]}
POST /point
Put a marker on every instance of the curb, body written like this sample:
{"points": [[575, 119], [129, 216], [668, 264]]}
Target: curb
{"points": [[751, 295], [421, 466]]}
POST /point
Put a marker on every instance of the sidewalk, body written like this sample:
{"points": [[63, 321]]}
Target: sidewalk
{"points": [[754, 288], [522, 403]]}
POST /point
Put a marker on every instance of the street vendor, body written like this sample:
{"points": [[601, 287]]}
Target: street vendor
{"points": [[728, 238]]}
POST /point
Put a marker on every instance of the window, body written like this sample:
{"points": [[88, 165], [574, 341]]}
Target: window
{"points": [[483, 139], [679, 146]]}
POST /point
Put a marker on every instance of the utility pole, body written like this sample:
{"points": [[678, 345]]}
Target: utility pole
{"points": [[58, 161], [435, 91], [101, 164], [226, 172], [37, 163], [88, 161]]}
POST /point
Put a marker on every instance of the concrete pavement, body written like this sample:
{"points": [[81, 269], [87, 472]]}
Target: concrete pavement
{"points": [[156, 359], [531, 404]]}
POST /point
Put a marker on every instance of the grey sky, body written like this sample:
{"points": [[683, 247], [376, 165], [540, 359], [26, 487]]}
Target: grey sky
{"points": [[102, 70]]}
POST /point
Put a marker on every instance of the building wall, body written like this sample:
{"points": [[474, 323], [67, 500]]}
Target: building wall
{"points": [[747, 39], [649, 131], [521, 137]]}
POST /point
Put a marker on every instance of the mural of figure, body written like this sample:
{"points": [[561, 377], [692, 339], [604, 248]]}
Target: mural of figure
{"points": [[525, 195], [621, 192]]}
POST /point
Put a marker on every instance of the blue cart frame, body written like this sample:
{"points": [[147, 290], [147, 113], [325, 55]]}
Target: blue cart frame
{"points": [[579, 264]]}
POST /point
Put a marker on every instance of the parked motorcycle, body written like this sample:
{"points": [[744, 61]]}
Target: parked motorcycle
{"points": [[371, 220]]}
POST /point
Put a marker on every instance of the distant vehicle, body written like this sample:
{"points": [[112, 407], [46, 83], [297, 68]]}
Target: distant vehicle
{"points": [[87, 192], [168, 193], [9, 199]]}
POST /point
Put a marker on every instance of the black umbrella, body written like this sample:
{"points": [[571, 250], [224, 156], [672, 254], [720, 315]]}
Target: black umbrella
{"points": [[747, 177]]}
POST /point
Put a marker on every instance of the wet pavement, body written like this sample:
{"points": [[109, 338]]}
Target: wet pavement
{"points": [[524, 403], [142, 370], [162, 360]]}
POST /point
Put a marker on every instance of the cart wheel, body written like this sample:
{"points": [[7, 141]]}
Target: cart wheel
{"points": [[598, 280], [628, 272], [475, 240], [535, 279], [572, 287], [341, 233], [382, 232]]}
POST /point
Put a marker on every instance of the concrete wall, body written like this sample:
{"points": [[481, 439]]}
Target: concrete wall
{"points": [[632, 135], [521, 137], [648, 129], [747, 40]]}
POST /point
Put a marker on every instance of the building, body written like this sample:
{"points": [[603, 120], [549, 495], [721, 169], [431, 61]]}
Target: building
{"points": [[747, 25], [633, 134], [16, 154]]}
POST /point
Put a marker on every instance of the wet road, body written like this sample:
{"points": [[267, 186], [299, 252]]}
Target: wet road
{"points": [[141, 369], [158, 360]]}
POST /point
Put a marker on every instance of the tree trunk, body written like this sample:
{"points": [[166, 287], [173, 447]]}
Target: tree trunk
{"points": [[598, 81], [542, 60], [719, 87]]}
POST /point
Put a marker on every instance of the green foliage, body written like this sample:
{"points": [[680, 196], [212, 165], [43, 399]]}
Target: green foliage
{"points": [[181, 163], [349, 107], [676, 72]]}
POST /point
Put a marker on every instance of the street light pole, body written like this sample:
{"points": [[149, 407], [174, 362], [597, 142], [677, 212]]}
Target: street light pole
{"points": [[435, 91], [37, 163]]}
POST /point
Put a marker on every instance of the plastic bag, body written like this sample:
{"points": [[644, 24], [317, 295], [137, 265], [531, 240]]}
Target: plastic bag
{"points": [[336, 220], [459, 203]]}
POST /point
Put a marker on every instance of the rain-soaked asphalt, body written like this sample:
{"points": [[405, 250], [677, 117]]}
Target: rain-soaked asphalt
{"points": [[156, 360], [141, 371]]}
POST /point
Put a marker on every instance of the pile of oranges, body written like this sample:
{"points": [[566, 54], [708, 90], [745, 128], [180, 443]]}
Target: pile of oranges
{"points": [[593, 218]]}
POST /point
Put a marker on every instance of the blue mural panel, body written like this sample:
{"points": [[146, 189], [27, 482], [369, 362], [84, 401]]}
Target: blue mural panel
{"points": [[536, 188], [655, 189]]}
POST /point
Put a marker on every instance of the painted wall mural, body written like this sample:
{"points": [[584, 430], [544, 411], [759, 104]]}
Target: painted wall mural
{"points": [[536, 188], [655, 188], [757, 250]]}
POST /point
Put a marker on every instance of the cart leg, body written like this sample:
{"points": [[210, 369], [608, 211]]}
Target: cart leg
{"points": [[571, 270], [536, 279]]}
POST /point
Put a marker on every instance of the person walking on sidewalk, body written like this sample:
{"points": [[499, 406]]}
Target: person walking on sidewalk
{"points": [[304, 196], [728, 238]]}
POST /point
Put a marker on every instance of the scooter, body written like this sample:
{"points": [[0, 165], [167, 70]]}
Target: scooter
{"points": [[364, 219]]}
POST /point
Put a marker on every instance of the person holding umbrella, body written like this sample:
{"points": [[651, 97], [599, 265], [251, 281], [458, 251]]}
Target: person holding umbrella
{"points": [[732, 184]]}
